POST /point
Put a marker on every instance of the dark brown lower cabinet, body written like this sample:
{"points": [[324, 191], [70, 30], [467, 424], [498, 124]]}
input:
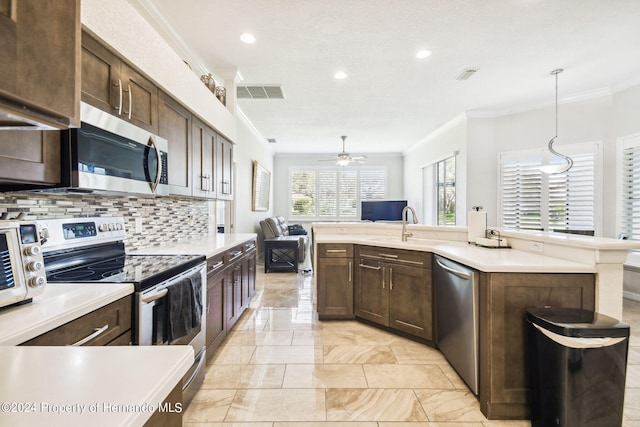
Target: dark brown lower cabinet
{"points": [[113, 322], [394, 289], [335, 281], [215, 318], [231, 283], [504, 356]]}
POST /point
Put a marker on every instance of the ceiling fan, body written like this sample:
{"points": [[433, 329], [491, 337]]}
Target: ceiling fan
{"points": [[344, 158]]}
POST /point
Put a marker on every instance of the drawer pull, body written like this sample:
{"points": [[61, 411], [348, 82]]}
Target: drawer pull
{"points": [[336, 251], [389, 256], [369, 266], [94, 335], [217, 264], [235, 254]]}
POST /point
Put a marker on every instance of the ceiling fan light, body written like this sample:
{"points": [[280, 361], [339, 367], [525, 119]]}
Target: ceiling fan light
{"points": [[343, 162]]}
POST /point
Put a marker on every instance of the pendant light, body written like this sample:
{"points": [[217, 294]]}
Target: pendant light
{"points": [[562, 167]]}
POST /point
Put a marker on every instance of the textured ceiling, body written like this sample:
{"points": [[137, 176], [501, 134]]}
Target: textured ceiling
{"points": [[391, 100]]}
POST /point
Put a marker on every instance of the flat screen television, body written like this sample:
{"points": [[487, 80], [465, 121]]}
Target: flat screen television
{"points": [[382, 210]]}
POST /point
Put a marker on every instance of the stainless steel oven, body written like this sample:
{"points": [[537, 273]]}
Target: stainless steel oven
{"points": [[170, 290]]}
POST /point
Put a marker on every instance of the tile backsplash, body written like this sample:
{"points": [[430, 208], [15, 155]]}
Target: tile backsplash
{"points": [[164, 219]]}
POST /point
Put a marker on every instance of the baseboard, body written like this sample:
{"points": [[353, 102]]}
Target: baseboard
{"points": [[631, 295]]}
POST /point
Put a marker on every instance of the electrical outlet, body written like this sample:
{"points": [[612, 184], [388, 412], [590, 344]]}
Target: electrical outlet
{"points": [[536, 246], [138, 225]]}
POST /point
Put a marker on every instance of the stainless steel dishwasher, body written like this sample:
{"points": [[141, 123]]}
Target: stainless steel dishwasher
{"points": [[456, 302]]}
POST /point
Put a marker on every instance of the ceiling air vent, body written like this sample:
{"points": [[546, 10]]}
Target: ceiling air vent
{"points": [[465, 74], [260, 92], [271, 140]]}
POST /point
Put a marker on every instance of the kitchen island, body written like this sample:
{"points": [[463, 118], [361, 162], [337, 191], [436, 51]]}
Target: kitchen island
{"points": [[365, 271]]}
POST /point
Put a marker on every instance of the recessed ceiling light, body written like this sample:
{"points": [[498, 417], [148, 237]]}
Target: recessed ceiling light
{"points": [[421, 54], [247, 38], [340, 75]]}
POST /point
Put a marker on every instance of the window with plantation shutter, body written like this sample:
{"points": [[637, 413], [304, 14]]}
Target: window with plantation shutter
{"points": [[572, 196], [334, 193], [630, 209], [563, 202], [522, 193]]}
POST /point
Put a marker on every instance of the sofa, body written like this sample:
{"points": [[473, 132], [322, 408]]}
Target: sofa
{"points": [[276, 226]]}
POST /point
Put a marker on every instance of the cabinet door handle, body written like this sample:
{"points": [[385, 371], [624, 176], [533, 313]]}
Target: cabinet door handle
{"points": [[390, 278], [119, 107], [128, 90], [350, 269], [389, 256], [369, 267], [97, 332]]}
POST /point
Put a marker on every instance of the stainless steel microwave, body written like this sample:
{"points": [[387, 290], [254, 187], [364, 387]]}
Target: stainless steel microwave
{"points": [[108, 154]]}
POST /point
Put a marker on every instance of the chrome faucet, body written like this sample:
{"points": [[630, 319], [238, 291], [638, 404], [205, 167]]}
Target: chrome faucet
{"points": [[406, 233]]}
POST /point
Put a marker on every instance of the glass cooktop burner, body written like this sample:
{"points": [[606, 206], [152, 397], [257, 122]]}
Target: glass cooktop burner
{"points": [[141, 270]]}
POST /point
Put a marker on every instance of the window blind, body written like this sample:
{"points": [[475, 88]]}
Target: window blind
{"points": [[334, 193], [521, 193], [534, 200], [572, 195], [630, 220]]}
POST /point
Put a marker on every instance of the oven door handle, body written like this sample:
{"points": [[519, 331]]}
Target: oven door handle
{"points": [[156, 296]]}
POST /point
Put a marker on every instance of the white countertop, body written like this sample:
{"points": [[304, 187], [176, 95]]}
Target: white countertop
{"points": [[95, 386], [58, 304], [209, 245], [483, 259]]}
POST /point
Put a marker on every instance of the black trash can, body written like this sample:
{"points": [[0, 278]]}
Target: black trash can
{"points": [[578, 363]]}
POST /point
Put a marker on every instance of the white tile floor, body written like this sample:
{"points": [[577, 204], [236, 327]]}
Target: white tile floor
{"points": [[281, 367]]}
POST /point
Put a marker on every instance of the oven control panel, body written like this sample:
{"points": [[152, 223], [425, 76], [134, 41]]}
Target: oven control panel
{"points": [[66, 233]]}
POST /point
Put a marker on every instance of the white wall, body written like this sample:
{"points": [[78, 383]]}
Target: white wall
{"points": [[439, 145], [249, 147]]}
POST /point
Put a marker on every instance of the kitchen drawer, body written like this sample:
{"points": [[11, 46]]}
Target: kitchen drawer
{"points": [[249, 246], [116, 316], [401, 256], [234, 253], [215, 263], [335, 250]]}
